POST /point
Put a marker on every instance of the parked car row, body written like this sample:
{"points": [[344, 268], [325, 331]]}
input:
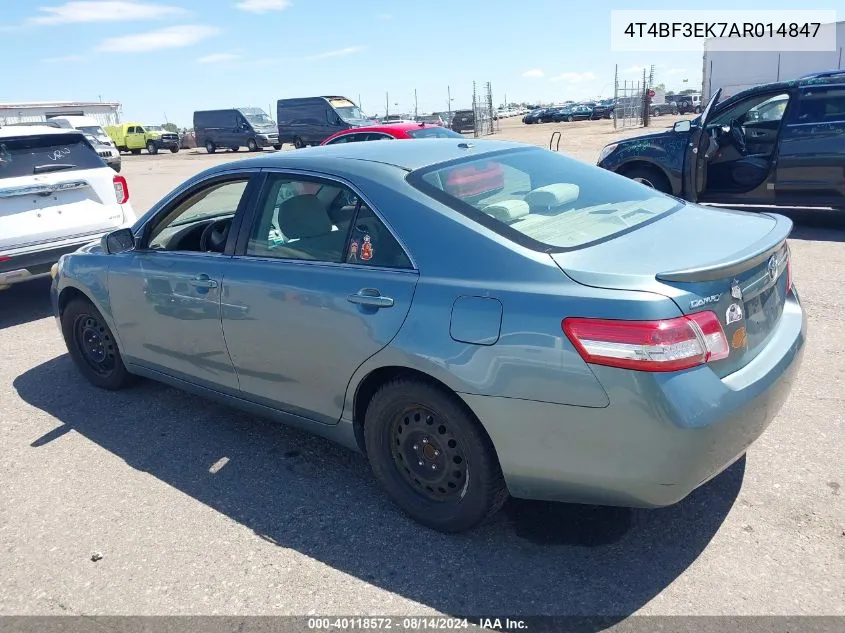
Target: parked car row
{"points": [[590, 110]]}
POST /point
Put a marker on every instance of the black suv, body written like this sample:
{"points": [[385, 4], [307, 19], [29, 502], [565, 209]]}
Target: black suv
{"points": [[775, 144], [463, 121]]}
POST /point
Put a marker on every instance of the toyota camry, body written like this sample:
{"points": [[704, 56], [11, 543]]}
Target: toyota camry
{"points": [[570, 335]]}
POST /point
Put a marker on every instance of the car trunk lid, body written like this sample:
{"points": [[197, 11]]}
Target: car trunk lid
{"points": [[733, 263]]}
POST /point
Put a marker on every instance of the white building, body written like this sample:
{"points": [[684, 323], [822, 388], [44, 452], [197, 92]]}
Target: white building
{"points": [[734, 71], [105, 112]]}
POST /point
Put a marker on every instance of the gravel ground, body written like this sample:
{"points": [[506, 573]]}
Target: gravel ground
{"points": [[152, 501]]}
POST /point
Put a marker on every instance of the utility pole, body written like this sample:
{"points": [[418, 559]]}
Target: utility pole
{"points": [[449, 100], [359, 102], [416, 114], [386, 105]]}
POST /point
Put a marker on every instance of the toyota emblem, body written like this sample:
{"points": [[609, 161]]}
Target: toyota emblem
{"points": [[772, 267]]}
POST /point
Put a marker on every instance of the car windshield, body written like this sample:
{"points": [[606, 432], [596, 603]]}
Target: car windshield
{"points": [[94, 130], [350, 113], [260, 120], [153, 128], [29, 155], [434, 131], [552, 202]]}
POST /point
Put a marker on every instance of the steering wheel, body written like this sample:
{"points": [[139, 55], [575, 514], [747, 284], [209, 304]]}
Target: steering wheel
{"points": [[214, 236], [738, 137]]}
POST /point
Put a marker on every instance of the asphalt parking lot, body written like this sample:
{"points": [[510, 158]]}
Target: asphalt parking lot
{"points": [[152, 501]]}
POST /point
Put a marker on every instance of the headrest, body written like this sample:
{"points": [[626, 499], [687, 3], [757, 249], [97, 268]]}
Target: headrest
{"points": [[507, 210], [303, 216], [554, 195]]}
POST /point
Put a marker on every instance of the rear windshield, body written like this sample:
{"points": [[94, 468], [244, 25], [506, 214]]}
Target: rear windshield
{"points": [[42, 154], [542, 199], [434, 131]]}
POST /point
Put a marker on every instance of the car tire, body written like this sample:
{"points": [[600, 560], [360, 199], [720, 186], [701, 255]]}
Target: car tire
{"points": [[174, 150], [655, 112], [234, 149], [697, 109], [649, 176], [210, 147], [92, 346], [277, 147], [440, 433], [135, 152], [298, 143], [252, 146]]}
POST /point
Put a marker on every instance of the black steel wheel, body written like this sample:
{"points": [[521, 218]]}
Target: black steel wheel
{"points": [[92, 345], [298, 143], [432, 456], [427, 455], [252, 146]]}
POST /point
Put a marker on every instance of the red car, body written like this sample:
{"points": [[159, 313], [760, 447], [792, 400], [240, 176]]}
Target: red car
{"points": [[391, 131], [464, 183]]}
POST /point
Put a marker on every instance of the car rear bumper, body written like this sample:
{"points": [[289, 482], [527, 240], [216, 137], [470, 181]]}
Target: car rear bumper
{"points": [[661, 437]]}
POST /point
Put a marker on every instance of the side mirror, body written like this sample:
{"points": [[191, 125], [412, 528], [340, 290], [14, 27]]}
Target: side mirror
{"points": [[118, 241], [682, 126]]}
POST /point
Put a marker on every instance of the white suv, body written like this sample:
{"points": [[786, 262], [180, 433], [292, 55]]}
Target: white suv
{"points": [[56, 195], [96, 135]]}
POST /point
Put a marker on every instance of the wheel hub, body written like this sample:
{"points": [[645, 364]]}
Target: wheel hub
{"points": [[428, 456], [95, 344]]}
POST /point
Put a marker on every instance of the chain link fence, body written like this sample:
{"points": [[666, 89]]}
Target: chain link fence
{"points": [[629, 98], [482, 106]]}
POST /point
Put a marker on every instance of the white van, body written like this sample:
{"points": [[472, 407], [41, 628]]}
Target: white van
{"points": [[56, 195], [96, 135]]}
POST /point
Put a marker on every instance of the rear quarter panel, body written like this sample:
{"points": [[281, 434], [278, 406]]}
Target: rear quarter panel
{"points": [[530, 358]]}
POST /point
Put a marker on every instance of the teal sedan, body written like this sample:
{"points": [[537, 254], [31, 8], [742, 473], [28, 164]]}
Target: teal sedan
{"points": [[558, 332]]}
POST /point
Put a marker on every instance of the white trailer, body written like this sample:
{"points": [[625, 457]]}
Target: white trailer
{"points": [[735, 71], [106, 113]]}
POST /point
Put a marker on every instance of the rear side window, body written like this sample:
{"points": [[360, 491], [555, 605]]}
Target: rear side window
{"points": [[541, 199], [433, 132], [42, 154], [821, 105]]}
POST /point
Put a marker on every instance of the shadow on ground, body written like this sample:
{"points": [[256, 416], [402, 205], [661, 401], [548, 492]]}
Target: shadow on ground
{"points": [[305, 493], [25, 302]]}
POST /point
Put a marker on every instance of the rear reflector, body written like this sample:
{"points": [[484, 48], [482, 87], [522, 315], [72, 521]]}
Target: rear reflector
{"points": [[788, 270], [121, 189], [665, 345]]}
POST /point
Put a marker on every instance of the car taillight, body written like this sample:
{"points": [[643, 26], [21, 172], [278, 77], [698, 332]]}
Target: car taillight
{"points": [[121, 189], [664, 345]]}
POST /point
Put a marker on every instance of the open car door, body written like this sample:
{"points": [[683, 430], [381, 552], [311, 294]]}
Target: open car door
{"points": [[695, 162]]}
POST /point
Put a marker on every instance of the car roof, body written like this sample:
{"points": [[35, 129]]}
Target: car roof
{"points": [[9, 131], [408, 156]]}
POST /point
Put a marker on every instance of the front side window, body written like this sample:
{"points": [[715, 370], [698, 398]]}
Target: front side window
{"points": [[320, 221], [343, 138], [182, 228], [746, 110], [543, 199]]}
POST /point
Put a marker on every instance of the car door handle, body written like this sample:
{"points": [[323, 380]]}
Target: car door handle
{"points": [[203, 281], [370, 297]]}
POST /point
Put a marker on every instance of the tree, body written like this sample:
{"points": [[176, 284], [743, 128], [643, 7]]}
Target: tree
{"points": [[171, 127], [659, 88]]}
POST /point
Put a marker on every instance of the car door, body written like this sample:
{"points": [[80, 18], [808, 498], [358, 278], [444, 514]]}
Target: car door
{"points": [[811, 161], [166, 294], [137, 139], [695, 164], [317, 286]]}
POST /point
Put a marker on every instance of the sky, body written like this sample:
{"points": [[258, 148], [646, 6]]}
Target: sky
{"points": [[163, 59]]}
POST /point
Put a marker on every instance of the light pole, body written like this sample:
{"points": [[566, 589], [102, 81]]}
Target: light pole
{"points": [[416, 113], [386, 105], [449, 101]]}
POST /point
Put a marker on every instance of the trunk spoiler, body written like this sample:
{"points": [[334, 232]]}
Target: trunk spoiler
{"points": [[752, 256]]}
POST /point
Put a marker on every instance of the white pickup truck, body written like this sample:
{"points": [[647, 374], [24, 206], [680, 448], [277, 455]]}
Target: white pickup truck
{"points": [[56, 195]]}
